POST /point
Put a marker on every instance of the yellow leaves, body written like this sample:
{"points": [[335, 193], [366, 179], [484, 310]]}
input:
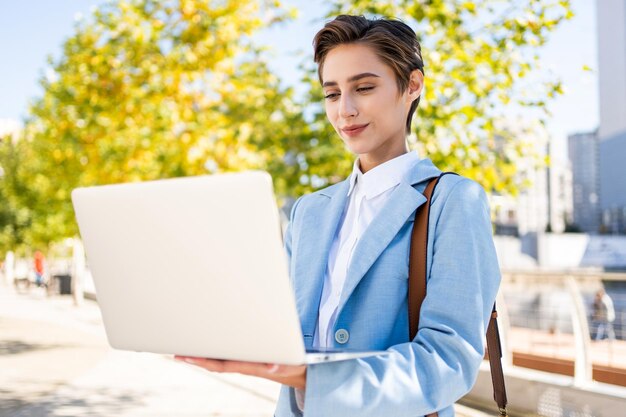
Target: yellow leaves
{"points": [[114, 62], [124, 6], [191, 57], [245, 132], [57, 155], [195, 154], [103, 120], [95, 60], [185, 138], [188, 8], [187, 113], [470, 6]]}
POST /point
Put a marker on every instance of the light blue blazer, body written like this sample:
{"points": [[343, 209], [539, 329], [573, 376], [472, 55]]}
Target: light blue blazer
{"points": [[440, 365]]}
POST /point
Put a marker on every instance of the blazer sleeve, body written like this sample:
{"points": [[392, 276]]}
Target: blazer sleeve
{"points": [[288, 235], [441, 364]]}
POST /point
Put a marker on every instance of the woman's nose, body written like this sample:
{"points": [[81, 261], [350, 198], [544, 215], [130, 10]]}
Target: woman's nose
{"points": [[347, 106]]}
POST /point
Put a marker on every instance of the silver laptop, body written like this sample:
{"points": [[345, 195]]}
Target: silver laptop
{"points": [[194, 266]]}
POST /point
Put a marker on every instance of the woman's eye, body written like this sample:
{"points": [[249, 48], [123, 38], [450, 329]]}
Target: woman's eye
{"points": [[331, 96], [363, 89]]}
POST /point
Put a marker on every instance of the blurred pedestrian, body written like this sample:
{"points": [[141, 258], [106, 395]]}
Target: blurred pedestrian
{"points": [[39, 268], [603, 316]]}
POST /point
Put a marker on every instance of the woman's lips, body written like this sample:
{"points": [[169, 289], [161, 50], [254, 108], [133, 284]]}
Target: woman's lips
{"points": [[354, 130]]}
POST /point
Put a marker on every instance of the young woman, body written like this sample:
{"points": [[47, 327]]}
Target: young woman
{"points": [[348, 247]]}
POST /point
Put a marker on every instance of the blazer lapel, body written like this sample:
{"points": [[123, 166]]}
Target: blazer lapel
{"points": [[320, 225], [403, 202]]}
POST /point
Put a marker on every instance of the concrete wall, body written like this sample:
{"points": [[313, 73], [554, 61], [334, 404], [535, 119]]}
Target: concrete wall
{"points": [[557, 251], [561, 251], [548, 395], [512, 254]]}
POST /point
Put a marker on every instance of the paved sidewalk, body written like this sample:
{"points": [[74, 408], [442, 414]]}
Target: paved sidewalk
{"points": [[55, 361]]}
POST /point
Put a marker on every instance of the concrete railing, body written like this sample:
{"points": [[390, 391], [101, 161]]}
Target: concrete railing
{"points": [[552, 364], [559, 306]]}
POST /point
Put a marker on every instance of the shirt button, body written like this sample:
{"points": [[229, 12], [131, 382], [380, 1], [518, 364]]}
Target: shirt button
{"points": [[342, 336]]}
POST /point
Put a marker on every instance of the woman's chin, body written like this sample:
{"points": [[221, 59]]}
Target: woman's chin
{"points": [[357, 147]]}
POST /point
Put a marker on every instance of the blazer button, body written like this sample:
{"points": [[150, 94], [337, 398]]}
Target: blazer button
{"points": [[342, 336]]}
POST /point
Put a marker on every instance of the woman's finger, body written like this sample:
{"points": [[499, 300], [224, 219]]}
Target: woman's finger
{"points": [[266, 370], [214, 365]]}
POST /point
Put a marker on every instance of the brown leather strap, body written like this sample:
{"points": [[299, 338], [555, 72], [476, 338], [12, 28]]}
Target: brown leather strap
{"points": [[417, 293], [494, 350], [417, 260]]}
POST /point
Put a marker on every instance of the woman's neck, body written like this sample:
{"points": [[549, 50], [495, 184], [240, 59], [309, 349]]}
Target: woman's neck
{"points": [[371, 160]]}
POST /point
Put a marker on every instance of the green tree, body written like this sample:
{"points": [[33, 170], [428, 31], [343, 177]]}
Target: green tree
{"points": [[15, 216], [150, 89]]}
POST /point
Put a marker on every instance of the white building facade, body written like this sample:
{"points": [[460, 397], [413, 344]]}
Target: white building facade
{"points": [[530, 210]]}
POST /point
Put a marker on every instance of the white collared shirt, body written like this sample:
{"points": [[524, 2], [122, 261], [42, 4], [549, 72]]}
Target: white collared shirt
{"points": [[367, 195]]}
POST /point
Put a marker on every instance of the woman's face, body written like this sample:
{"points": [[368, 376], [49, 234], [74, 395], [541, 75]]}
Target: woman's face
{"points": [[363, 104]]}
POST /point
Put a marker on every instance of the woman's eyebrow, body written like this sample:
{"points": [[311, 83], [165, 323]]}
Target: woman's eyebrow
{"points": [[351, 79]]}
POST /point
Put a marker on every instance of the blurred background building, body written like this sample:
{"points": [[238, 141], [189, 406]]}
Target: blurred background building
{"points": [[611, 22], [560, 195], [527, 212], [582, 150]]}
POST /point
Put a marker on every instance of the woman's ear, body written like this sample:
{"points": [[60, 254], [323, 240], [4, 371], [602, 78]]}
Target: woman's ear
{"points": [[416, 85]]}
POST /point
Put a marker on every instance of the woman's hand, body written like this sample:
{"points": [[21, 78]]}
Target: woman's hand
{"points": [[294, 376]]}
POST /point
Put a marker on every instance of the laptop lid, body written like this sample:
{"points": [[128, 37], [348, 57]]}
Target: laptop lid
{"points": [[193, 266]]}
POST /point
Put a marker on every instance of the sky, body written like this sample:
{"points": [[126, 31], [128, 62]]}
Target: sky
{"points": [[31, 30]]}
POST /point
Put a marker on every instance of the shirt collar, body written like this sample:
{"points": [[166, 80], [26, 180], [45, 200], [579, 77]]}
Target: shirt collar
{"points": [[383, 177]]}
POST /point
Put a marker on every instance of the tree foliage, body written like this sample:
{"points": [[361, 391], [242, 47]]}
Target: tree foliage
{"points": [[152, 89], [149, 89], [15, 215]]}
